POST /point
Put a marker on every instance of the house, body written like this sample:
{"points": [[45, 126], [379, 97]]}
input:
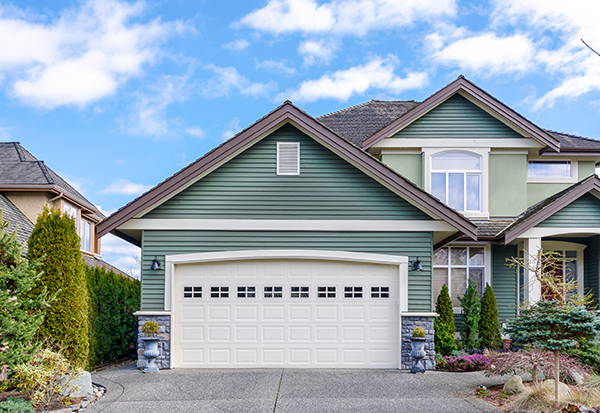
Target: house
{"points": [[321, 242], [28, 184]]}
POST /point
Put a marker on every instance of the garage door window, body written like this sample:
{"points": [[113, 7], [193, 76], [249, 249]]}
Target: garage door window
{"points": [[192, 292], [353, 292], [380, 292], [300, 292], [219, 292], [246, 292], [326, 292], [273, 292]]}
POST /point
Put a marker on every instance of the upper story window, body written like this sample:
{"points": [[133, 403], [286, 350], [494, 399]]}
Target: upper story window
{"points": [[456, 180], [549, 169], [85, 235], [288, 158], [71, 211]]}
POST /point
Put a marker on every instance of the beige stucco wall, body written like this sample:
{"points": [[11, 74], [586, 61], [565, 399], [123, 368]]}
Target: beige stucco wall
{"points": [[30, 203]]}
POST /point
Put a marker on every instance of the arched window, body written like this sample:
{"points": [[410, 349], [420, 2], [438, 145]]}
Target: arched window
{"points": [[456, 180]]}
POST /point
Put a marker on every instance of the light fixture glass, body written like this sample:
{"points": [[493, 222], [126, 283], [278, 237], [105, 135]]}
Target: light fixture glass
{"points": [[417, 266], [155, 264]]}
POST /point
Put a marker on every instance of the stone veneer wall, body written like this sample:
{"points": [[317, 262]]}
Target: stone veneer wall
{"points": [[408, 324], [164, 346]]}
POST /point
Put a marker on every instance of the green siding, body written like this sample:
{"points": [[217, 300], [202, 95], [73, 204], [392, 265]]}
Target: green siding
{"points": [[581, 213], [591, 267], [506, 189], [504, 281], [411, 244], [247, 187], [457, 118], [409, 166]]}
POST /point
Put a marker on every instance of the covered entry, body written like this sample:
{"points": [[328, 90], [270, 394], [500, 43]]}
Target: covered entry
{"points": [[287, 309]]}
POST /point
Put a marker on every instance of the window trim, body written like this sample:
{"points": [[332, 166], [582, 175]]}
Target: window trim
{"points": [[84, 223], [483, 153], [574, 178]]}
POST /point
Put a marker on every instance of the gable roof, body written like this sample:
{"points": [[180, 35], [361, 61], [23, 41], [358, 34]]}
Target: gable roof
{"points": [[548, 207], [20, 170], [286, 113], [506, 114], [357, 123]]}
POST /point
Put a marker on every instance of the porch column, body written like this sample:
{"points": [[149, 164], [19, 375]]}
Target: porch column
{"points": [[531, 248]]}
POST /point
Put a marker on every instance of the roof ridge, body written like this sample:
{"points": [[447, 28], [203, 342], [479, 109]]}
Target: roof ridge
{"points": [[573, 136], [44, 170], [19, 151], [345, 109]]}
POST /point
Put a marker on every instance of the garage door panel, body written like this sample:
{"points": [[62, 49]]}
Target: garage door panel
{"points": [[347, 330]]}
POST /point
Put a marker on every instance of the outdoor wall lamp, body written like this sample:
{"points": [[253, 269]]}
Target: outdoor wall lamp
{"points": [[155, 264], [417, 266]]}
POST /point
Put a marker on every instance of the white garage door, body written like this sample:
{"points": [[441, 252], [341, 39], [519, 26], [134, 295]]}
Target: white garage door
{"points": [[285, 313]]}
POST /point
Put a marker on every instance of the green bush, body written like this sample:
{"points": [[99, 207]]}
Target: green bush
{"points": [[588, 354], [489, 323], [113, 300], [55, 242], [444, 324], [14, 405], [470, 316], [20, 313]]}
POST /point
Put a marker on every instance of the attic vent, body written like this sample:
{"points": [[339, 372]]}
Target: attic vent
{"points": [[288, 158]]}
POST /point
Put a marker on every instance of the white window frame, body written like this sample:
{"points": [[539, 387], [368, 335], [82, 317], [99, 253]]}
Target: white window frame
{"points": [[297, 144], [85, 235], [72, 211], [554, 180], [483, 154], [486, 269]]}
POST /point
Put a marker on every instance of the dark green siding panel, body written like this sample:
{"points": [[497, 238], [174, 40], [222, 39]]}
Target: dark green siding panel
{"points": [[457, 118], [504, 281], [247, 187], [591, 267], [411, 244], [583, 212]]}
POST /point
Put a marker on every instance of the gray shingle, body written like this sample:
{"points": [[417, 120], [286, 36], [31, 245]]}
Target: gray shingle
{"points": [[568, 141], [489, 229], [359, 122], [16, 219]]}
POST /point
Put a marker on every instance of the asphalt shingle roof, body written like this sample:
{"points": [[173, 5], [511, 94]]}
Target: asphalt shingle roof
{"points": [[568, 141], [16, 219], [491, 228], [357, 123]]}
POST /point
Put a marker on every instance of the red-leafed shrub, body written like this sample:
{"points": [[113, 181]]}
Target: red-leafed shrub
{"points": [[475, 362]]}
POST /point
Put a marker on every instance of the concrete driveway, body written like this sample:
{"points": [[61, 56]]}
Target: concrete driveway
{"points": [[289, 390]]}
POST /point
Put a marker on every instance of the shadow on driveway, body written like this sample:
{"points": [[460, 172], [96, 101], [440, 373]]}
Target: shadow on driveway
{"points": [[289, 390]]}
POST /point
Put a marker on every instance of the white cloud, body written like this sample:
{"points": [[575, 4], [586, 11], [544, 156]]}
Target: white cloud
{"points": [[276, 67], [489, 53], [5, 135], [106, 212], [148, 115], [125, 187], [232, 128], [378, 73], [196, 131], [80, 57], [228, 79], [317, 51], [237, 45], [354, 17], [121, 254]]}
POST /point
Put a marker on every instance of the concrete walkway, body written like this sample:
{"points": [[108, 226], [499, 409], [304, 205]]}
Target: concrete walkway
{"points": [[289, 390]]}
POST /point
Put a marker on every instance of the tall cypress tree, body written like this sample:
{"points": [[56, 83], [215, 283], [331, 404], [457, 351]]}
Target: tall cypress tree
{"points": [[55, 242], [489, 323], [20, 314], [470, 311], [444, 324]]}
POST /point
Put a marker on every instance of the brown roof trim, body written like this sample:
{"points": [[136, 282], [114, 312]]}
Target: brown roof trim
{"points": [[289, 112], [441, 95], [570, 195], [47, 188], [126, 237]]}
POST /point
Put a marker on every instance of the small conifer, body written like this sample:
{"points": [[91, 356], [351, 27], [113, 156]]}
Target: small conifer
{"points": [[470, 316], [55, 243], [444, 324], [489, 323]]}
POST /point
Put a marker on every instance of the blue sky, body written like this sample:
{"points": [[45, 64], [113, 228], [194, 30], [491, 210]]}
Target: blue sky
{"points": [[116, 96]]}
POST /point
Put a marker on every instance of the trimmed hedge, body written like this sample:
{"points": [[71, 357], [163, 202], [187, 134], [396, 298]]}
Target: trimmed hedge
{"points": [[55, 242], [113, 300]]}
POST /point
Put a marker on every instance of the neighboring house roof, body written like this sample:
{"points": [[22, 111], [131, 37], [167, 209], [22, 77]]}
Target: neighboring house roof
{"points": [[570, 143], [286, 113], [19, 169], [98, 263], [359, 122], [463, 86], [16, 219], [548, 207]]}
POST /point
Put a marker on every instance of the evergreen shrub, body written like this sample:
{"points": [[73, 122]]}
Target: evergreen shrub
{"points": [[15, 405], [470, 316], [489, 323], [113, 300], [444, 324], [55, 242]]}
